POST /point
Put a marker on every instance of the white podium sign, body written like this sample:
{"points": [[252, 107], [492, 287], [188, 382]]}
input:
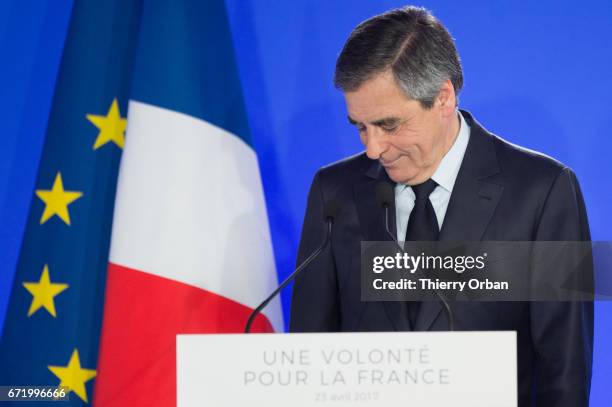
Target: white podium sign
{"points": [[420, 369]]}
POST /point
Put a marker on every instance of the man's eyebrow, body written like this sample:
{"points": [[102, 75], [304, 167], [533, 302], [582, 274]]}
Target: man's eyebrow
{"points": [[387, 121]]}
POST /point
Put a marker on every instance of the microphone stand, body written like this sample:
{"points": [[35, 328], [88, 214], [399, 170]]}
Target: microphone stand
{"points": [[317, 252]]}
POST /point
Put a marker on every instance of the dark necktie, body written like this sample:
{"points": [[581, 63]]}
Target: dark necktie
{"points": [[422, 227]]}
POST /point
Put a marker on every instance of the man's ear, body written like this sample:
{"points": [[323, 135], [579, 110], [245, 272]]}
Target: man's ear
{"points": [[446, 100]]}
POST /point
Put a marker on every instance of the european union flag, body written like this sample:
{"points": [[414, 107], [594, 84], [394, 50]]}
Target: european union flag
{"points": [[52, 327]]}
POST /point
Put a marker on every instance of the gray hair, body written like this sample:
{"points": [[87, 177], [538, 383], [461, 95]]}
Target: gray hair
{"points": [[412, 43]]}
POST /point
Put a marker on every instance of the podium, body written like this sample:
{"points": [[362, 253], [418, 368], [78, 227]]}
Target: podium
{"points": [[422, 369]]}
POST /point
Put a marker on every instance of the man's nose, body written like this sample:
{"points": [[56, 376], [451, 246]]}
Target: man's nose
{"points": [[375, 144]]}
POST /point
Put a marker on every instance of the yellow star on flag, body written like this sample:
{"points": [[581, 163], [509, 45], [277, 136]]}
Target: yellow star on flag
{"points": [[112, 126], [43, 293], [73, 377], [57, 200]]}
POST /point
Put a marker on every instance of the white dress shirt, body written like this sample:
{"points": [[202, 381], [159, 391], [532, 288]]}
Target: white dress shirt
{"points": [[445, 176]]}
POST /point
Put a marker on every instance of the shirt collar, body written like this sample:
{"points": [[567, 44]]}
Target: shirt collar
{"points": [[448, 169]]}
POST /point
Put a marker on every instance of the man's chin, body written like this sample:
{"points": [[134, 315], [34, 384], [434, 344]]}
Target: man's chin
{"points": [[403, 177]]}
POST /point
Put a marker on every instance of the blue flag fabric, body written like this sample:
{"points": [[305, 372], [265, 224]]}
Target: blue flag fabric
{"points": [[185, 62], [52, 326]]}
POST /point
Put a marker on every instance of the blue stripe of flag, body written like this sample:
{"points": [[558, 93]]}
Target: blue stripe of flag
{"points": [[186, 63]]}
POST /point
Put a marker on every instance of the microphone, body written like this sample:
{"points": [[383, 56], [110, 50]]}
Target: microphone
{"points": [[384, 197], [330, 212]]}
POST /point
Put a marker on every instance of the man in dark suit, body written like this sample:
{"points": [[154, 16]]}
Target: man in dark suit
{"points": [[453, 181]]}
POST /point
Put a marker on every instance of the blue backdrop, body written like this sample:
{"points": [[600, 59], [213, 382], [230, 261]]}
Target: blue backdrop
{"points": [[537, 73]]}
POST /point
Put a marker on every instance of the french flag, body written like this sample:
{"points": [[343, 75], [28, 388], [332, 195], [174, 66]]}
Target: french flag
{"points": [[190, 249]]}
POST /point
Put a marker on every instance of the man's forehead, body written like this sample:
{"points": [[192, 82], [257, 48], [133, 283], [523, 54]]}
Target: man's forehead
{"points": [[378, 112], [363, 107], [379, 98]]}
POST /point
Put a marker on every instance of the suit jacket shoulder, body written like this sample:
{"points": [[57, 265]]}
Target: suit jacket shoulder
{"points": [[515, 162], [345, 171], [526, 185]]}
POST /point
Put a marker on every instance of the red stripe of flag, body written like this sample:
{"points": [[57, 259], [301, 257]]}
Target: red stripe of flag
{"points": [[143, 314]]}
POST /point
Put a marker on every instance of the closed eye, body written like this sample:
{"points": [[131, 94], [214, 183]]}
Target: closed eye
{"points": [[388, 125]]}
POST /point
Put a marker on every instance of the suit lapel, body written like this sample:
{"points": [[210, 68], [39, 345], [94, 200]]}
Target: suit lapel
{"points": [[372, 224], [472, 203]]}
